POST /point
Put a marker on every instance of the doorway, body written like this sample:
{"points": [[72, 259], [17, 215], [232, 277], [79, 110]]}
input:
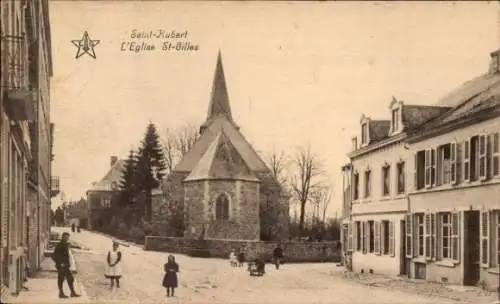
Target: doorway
{"points": [[471, 248], [403, 262]]}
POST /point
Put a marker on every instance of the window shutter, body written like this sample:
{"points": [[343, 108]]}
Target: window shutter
{"points": [[349, 236], [362, 237], [433, 167], [434, 235], [355, 236], [459, 152], [466, 161], [439, 166], [427, 168], [409, 236], [485, 239], [415, 172], [366, 234], [453, 163], [382, 238], [483, 160], [495, 157], [455, 236], [391, 239], [427, 235], [489, 155], [376, 238]]}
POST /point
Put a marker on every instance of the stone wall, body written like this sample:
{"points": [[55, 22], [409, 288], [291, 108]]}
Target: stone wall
{"points": [[294, 252]]}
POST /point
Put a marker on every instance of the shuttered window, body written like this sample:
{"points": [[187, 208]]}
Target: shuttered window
{"points": [[409, 236], [392, 244], [495, 155], [483, 157], [466, 160], [485, 239], [427, 235], [453, 163], [376, 239], [349, 236], [434, 235], [428, 168], [455, 236]]}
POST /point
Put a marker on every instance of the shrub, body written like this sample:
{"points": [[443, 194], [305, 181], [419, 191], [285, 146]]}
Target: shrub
{"points": [[122, 230], [136, 233]]}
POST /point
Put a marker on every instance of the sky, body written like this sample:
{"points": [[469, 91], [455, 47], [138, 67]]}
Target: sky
{"points": [[298, 74]]}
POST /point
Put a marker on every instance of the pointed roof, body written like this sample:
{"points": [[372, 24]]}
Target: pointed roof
{"points": [[219, 100], [192, 157], [221, 161], [111, 178]]}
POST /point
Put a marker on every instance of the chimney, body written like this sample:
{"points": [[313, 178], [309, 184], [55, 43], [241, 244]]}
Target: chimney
{"points": [[354, 143], [114, 159], [494, 63]]}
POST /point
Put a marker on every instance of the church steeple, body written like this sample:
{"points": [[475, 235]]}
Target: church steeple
{"points": [[219, 101]]}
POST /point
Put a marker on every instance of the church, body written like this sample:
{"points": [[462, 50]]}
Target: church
{"points": [[224, 187]]}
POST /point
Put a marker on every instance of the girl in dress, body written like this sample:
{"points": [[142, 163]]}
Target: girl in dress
{"points": [[114, 269], [170, 279]]}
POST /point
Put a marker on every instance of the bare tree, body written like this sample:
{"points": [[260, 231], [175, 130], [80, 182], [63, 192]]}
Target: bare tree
{"points": [[277, 163], [186, 137], [306, 180], [177, 143], [322, 200]]}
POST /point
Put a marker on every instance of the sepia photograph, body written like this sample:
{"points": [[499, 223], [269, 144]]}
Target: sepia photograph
{"points": [[249, 152]]}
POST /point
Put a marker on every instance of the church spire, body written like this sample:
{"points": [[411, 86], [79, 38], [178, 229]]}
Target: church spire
{"points": [[219, 101]]}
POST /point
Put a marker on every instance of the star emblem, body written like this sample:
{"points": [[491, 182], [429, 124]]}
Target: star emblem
{"points": [[85, 46]]}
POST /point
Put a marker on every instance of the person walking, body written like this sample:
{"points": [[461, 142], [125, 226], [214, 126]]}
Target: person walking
{"points": [[171, 269], [278, 256], [61, 257], [114, 269]]}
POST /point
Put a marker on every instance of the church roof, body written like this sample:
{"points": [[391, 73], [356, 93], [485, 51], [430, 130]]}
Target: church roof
{"points": [[219, 119], [221, 123], [111, 178], [221, 161]]}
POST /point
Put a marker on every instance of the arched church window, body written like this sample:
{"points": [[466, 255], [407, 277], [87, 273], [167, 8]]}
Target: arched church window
{"points": [[222, 207]]}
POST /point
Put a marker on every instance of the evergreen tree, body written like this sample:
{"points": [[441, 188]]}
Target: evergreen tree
{"points": [[128, 180], [150, 167]]}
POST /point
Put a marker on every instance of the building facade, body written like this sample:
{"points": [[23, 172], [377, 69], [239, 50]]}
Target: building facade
{"points": [[77, 213], [223, 186], [26, 137], [425, 189], [101, 194], [454, 216]]}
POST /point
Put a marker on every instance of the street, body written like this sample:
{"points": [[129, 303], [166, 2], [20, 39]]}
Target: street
{"points": [[214, 281]]}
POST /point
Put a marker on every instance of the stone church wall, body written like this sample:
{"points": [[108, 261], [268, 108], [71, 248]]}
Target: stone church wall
{"points": [[294, 252], [243, 221]]}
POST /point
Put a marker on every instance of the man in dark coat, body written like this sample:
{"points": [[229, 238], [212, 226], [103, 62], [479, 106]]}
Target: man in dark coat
{"points": [[277, 256], [61, 258]]}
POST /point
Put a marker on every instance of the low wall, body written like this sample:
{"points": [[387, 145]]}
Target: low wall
{"points": [[294, 252]]}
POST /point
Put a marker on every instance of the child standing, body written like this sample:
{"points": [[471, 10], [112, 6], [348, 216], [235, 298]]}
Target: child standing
{"points": [[170, 279], [114, 270]]}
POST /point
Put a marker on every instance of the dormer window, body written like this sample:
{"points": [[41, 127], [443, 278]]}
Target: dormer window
{"points": [[364, 133], [396, 119]]}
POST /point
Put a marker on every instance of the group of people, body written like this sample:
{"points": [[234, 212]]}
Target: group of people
{"points": [[237, 260], [113, 269]]}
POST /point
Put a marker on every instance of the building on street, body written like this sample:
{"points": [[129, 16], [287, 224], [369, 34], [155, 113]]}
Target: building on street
{"points": [[100, 195], [225, 188], [425, 188], [26, 139], [453, 225]]}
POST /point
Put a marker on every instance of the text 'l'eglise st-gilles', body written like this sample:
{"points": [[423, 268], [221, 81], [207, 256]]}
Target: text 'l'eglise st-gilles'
{"points": [[159, 34]]}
